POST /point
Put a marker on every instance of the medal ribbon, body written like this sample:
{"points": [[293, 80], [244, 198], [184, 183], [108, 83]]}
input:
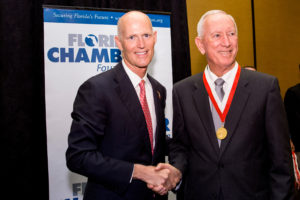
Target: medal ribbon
{"points": [[296, 169], [231, 94]]}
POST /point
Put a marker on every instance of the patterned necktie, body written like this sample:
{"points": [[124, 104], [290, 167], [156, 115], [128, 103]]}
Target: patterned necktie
{"points": [[219, 88], [146, 111]]}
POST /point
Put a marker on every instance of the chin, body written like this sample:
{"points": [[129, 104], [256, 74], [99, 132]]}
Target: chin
{"points": [[143, 65], [228, 63]]}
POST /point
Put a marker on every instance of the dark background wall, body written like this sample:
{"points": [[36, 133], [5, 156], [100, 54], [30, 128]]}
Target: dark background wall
{"points": [[24, 170]]}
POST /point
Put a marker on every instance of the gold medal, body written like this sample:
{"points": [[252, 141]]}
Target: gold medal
{"points": [[221, 133]]}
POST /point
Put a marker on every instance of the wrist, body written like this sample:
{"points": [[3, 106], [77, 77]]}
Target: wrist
{"points": [[138, 171]]}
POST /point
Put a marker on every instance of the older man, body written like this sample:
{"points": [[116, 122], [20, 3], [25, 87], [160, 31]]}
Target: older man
{"points": [[230, 132], [118, 129]]}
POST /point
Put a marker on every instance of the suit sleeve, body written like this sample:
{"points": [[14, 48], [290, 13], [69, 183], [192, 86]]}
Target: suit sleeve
{"points": [[281, 169], [178, 146], [83, 155]]}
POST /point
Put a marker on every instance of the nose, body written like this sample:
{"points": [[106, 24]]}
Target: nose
{"points": [[141, 43], [226, 41]]}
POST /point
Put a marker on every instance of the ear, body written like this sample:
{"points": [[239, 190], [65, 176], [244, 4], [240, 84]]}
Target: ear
{"points": [[155, 36], [200, 45], [118, 42]]}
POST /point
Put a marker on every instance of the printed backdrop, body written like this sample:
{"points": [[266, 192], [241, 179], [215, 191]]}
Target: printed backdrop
{"points": [[79, 44]]}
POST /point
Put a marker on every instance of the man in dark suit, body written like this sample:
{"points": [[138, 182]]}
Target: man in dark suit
{"points": [[292, 107], [118, 130], [230, 134]]}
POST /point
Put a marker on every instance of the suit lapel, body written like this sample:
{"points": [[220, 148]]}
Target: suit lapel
{"points": [[200, 96], [237, 106], [158, 111], [131, 101]]}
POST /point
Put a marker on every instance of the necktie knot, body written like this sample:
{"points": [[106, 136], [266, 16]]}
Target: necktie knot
{"points": [[219, 82], [142, 84], [219, 88]]}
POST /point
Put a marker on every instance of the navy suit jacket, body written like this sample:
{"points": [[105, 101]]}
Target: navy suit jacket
{"points": [[254, 160], [109, 134]]}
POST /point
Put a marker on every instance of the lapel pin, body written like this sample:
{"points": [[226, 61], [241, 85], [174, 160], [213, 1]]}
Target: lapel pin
{"points": [[158, 93]]}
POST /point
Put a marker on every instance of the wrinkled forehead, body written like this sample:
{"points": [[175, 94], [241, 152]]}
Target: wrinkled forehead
{"points": [[218, 18], [219, 21]]}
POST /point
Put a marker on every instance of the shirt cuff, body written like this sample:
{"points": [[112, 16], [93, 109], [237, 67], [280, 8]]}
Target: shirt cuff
{"points": [[131, 174]]}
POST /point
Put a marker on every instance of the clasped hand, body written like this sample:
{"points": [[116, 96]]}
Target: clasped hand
{"points": [[165, 177]]}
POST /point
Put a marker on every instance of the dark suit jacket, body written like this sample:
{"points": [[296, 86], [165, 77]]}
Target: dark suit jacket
{"points": [[254, 160], [109, 134], [292, 107]]}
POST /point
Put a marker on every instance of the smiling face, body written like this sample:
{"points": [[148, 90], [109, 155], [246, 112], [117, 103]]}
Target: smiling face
{"points": [[219, 41], [136, 40]]}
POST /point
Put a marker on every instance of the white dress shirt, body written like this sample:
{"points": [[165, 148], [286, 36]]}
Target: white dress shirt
{"points": [[228, 77]]}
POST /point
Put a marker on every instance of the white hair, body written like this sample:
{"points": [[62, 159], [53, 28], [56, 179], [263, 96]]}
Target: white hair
{"points": [[200, 28]]}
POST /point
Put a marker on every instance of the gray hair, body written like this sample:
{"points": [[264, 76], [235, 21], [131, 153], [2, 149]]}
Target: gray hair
{"points": [[200, 28]]}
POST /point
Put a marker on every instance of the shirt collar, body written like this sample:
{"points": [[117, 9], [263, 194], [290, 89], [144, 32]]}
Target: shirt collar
{"points": [[134, 78], [227, 77]]}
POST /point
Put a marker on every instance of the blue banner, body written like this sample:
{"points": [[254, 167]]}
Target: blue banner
{"points": [[96, 17], [78, 44]]}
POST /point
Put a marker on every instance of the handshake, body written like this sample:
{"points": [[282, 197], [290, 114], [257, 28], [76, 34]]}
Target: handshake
{"points": [[160, 179]]}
